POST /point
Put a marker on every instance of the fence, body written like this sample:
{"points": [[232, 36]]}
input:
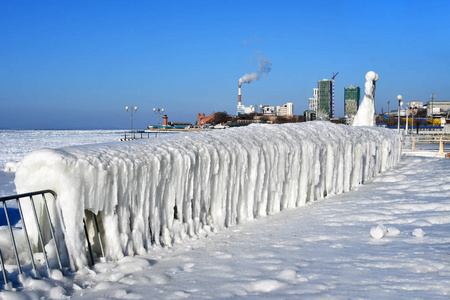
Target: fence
{"points": [[426, 144], [32, 198], [137, 134]]}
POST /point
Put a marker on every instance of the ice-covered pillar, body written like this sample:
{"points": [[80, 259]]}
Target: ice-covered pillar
{"points": [[366, 111]]}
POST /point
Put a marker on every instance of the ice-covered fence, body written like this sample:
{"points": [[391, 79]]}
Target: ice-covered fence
{"points": [[159, 192]]}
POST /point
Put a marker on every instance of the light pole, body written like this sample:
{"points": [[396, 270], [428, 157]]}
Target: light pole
{"points": [[407, 115], [400, 103], [388, 106], [131, 108], [432, 96], [158, 111]]}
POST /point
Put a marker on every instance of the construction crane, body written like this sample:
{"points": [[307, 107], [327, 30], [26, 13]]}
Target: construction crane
{"points": [[332, 100]]}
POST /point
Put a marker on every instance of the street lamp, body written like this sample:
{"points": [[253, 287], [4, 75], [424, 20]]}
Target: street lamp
{"points": [[400, 103], [158, 111], [432, 96], [131, 108], [407, 115]]}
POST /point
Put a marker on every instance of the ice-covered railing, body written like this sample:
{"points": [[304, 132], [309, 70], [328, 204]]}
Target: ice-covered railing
{"points": [[162, 191]]}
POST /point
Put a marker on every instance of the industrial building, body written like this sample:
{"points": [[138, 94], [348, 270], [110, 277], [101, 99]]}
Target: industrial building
{"points": [[242, 109], [285, 110]]}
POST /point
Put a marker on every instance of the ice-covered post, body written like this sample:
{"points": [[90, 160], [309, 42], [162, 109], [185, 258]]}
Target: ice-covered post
{"points": [[400, 104], [366, 112]]}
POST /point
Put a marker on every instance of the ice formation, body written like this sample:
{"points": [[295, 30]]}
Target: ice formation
{"points": [[366, 111], [156, 192]]}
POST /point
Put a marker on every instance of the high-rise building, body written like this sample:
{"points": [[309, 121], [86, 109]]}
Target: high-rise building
{"points": [[325, 98], [314, 101], [351, 100]]}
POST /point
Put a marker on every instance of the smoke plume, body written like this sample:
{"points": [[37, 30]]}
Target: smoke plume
{"points": [[264, 65]]}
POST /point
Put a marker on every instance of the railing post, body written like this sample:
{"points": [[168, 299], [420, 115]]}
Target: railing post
{"points": [[41, 238], [33, 264], [5, 277], [414, 144], [91, 254], [441, 146], [13, 241], [98, 234], [52, 231]]}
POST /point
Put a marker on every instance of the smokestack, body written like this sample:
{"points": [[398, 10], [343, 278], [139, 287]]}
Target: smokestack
{"points": [[239, 94]]}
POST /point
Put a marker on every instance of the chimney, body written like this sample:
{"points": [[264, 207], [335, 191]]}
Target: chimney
{"points": [[239, 94], [165, 120]]}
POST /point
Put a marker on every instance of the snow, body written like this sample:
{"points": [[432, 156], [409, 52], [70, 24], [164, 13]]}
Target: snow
{"points": [[148, 193], [321, 250], [366, 111], [378, 232]]}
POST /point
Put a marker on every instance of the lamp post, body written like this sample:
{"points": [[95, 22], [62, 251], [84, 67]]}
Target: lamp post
{"points": [[407, 115], [432, 96], [158, 111], [131, 108], [400, 103]]}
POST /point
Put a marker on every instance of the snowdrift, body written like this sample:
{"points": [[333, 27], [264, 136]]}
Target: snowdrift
{"points": [[157, 192]]}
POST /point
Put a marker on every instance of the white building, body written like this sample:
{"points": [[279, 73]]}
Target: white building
{"points": [[242, 109], [285, 110], [438, 107], [314, 101], [268, 110]]}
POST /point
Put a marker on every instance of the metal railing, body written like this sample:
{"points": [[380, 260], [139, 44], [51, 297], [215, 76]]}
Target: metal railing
{"points": [[411, 142], [136, 134], [32, 198], [98, 234]]}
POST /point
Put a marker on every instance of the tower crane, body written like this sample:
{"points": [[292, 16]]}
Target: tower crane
{"points": [[332, 100]]}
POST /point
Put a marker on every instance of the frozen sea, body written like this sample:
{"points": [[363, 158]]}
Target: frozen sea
{"points": [[15, 144], [325, 250]]}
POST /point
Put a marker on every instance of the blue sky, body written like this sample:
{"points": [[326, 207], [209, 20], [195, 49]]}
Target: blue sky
{"points": [[77, 64]]}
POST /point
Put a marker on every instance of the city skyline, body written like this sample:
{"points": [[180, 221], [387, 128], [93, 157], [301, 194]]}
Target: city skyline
{"points": [[76, 65]]}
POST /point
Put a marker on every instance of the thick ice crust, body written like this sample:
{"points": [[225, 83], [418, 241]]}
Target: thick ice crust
{"points": [[162, 191]]}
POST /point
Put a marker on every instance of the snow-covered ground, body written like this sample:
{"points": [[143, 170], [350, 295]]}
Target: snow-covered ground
{"points": [[322, 250]]}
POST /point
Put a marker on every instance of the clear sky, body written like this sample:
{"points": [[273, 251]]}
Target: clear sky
{"points": [[77, 64]]}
